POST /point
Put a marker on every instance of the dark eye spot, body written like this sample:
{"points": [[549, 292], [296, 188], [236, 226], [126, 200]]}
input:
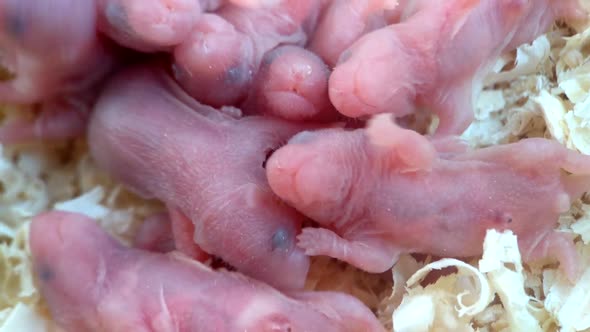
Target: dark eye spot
{"points": [[280, 239], [116, 16], [15, 24], [237, 75], [267, 60], [178, 72], [45, 273], [271, 56], [345, 56]]}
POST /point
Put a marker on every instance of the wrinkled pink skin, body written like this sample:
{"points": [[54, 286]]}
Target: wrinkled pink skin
{"points": [[148, 25], [292, 83], [150, 135], [55, 62], [437, 57], [406, 194], [217, 62], [119, 289], [342, 23], [48, 54]]}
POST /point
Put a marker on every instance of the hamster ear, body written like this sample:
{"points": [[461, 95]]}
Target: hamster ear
{"points": [[404, 149]]}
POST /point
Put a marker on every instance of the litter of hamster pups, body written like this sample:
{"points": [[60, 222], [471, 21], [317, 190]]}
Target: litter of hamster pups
{"points": [[541, 90]]}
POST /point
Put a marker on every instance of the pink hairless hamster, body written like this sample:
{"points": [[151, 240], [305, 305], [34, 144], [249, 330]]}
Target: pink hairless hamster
{"points": [[204, 164], [382, 191], [218, 60], [45, 54], [345, 21], [50, 60], [93, 283], [148, 25], [436, 58]]}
